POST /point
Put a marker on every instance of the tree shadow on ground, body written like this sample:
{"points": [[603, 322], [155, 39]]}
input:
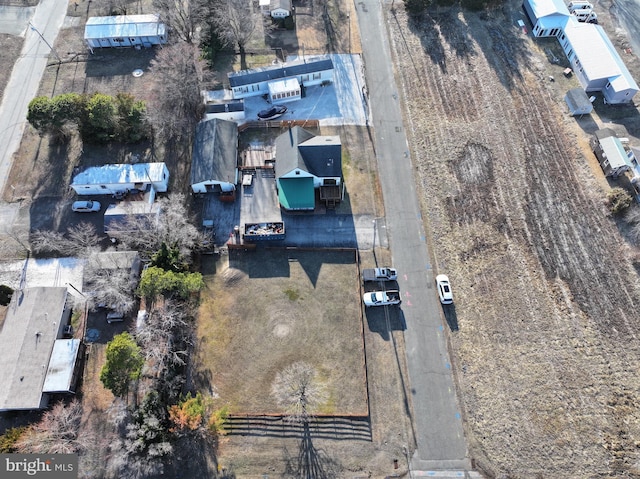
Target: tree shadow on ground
{"points": [[310, 463], [195, 457], [452, 29]]}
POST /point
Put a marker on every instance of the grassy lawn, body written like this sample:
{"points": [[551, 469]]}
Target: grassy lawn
{"points": [[267, 309]]}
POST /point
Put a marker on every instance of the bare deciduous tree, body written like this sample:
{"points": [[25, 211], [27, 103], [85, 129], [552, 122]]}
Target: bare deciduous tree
{"points": [[80, 241], [56, 433], [236, 22], [164, 338], [181, 16], [176, 102], [172, 227], [112, 287], [298, 389]]}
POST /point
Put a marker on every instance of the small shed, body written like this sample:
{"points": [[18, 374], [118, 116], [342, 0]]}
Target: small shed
{"points": [[124, 31], [285, 90], [280, 8], [119, 178], [214, 162], [610, 152], [578, 102]]}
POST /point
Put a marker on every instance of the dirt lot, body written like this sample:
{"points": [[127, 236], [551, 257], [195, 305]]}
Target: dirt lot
{"points": [[277, 301], [546, 287], [265, 310]]}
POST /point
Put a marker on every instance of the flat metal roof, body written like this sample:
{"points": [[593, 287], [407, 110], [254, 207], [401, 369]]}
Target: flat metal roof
{"points": [[61, 366], [116, 174], [124, 26]]}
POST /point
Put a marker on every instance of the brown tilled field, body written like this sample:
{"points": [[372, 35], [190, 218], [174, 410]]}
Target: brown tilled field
{"points": [[547, 293]]}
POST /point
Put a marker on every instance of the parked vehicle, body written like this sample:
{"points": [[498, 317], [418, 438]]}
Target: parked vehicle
{"points": [[272, 113], [379, 274], [579, 5], [85, 206], [115, 317], [444, 289], [382, 298], [586, 16]]}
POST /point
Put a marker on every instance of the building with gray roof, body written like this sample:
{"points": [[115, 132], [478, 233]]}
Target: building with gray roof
{"points": [[214, 162], [306, 163], [30, 372]]}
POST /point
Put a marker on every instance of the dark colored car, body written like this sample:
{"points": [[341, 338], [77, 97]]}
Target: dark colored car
{"points": [[272, 113]]}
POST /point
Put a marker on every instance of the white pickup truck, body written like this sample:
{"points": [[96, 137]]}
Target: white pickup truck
{"points": [[381, 298], [379, 274]]}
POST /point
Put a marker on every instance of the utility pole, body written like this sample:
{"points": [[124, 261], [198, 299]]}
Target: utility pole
{"points": [[32, 26]]}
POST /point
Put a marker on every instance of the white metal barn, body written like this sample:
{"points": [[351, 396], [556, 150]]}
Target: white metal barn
{"points": [[596, 63], [119, 178], [548, 17], [125, 31]]}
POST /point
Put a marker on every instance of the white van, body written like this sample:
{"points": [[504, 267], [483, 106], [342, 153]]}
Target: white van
{"points": [[580, 5]]}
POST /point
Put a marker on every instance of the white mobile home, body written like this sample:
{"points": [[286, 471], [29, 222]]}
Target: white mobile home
{"points": [[548, 17], [596, 63], [121, 178], [247, 83], [124, 31]]}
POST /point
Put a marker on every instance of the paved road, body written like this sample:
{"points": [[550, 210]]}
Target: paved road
{"points": [[438, 427], [628, 13], [25, 79]]}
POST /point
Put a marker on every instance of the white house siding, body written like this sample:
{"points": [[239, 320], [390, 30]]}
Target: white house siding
{"points": [[112, 179], [124, 31], [264, 76], [596, 63], [284, 90], [547, 16], [280, 13]]}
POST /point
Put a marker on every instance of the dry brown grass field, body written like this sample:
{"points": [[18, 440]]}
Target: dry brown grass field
{"points": [[265, 310], [547, 288]]}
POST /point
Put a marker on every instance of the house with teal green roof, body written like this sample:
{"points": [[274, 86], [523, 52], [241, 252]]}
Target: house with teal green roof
{"points": [[308, 167]]}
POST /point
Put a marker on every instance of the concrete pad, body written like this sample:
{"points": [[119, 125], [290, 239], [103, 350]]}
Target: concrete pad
{"points": [[15, 20]]}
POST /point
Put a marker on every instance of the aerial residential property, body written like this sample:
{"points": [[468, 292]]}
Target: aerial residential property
{"points": [[125, 31], [37, 361]]}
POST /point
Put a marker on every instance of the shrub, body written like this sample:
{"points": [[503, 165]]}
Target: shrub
{"points": [[124, 363], [618, 200], [9, 438], [5, 294]]}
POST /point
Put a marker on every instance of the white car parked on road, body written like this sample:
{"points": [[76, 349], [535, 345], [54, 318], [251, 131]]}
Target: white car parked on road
{"points": [[444, 289]]}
